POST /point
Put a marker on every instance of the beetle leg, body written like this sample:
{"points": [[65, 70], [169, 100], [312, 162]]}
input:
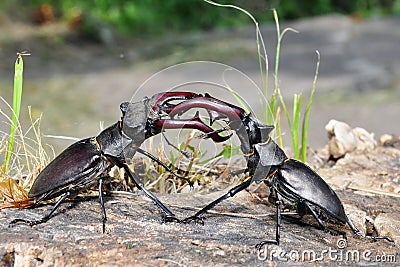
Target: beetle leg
{"points": [[46, 217], [320, 222], [197, 217], [152, 157], [103, 210], [351, 225], [358, 232], [184, 153], [278, 222], [168, 216]]}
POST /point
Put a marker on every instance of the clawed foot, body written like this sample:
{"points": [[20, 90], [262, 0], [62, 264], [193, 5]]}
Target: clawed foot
{"points": [[30, 223], [267, 242], [195, 219], [170, 218]]}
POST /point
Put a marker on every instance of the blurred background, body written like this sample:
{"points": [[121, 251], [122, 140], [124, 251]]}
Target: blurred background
{"points": [[89, 56]]}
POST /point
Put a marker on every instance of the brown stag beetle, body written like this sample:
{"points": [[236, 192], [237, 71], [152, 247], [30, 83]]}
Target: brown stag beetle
{"points": [[86, 162], [291, 182]]}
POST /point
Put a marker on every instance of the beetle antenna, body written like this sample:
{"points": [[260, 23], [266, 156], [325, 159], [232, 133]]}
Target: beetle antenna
{"points": [[184, 153]]}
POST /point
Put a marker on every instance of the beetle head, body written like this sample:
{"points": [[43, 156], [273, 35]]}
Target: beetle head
{"points": [[134, 120], [257, 131]]}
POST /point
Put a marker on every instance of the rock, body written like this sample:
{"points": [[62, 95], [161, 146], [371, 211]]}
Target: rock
{"points": [[343, 139], [389, 140], [388, 224], [375, 172], [365, 140], [356, 216], [385, 139]]}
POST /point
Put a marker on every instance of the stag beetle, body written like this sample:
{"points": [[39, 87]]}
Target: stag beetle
{"points": [[86, 162], [291, 182]]}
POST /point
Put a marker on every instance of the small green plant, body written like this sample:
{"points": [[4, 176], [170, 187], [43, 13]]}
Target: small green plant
{"points": [[300, 152], [24, 153], [16, 107], [28, 159]]}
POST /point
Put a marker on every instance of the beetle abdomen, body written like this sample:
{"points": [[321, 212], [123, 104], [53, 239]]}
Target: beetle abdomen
{"points": [[303, 182], [81, 159]]}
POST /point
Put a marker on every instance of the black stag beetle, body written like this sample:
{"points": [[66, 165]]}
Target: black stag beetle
{"points": [[86, 162], [291, 182]]}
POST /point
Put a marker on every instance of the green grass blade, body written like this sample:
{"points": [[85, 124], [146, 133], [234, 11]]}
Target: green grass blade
{"points": [[273, 106], [278, 50], [242, 104], [261, 51], [16, 108], [285, 110], [278, 47], [283, 104], [278, 126], [296, 124], [276, 79], [308, 112]]}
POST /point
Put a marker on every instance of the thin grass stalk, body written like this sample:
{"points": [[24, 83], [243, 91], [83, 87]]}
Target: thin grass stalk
{"points": [[259, 39], [308, 112], [41, 157], [296, 124], [278, 123], [16, 108], [262, 55], [18, 129], [278, 49], [285, 109], [24, 139], [273, 101], [264, 83], [277, 91], [238, 99]]}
